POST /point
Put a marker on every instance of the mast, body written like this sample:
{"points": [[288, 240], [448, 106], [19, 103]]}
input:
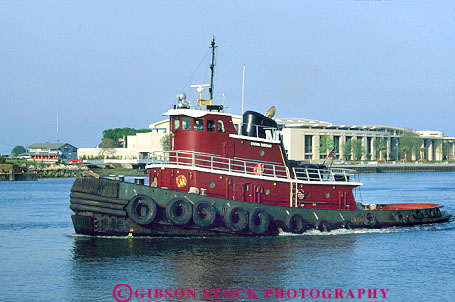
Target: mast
{"points": [[212, 68], [243, 88]]}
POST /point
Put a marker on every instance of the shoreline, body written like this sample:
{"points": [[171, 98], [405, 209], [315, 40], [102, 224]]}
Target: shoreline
{"points": [[394, 167], [74, 171]]}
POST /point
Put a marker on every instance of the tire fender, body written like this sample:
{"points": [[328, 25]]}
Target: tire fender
{"points": [[259, 221], [370, 220], [142, 209], [323, 226], [236, 218], [179, 211], [295, 223], [204, 214]]}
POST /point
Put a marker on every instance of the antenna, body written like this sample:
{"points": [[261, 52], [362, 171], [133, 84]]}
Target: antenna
{"points": [[243, 88], [200, 89], [212, 68], [57, 127]]}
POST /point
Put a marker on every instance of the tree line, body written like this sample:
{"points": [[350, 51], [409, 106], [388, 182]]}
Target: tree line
{"points": [[112, 138]]}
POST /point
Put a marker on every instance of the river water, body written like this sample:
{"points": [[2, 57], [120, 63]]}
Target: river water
{"points": [[41, 259]]}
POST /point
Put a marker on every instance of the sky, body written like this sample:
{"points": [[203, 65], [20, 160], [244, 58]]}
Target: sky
{"points": [[112, 64]]}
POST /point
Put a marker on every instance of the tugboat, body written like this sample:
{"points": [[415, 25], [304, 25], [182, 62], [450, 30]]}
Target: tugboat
{"points": [[216, 180]]}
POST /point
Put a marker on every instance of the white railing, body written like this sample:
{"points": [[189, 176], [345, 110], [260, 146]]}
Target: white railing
{"points": [[248, 167], [216, 162], [327, 174]]}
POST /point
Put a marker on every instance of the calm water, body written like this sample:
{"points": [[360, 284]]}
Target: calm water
{"points": [[41, 259]]}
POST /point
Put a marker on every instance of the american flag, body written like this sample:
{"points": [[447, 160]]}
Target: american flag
{"points": [[121, 140], [331, 154]]}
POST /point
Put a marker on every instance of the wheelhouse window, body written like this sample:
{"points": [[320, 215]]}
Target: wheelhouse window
{"points": [[221, 127], [198, 124], [211, 125], [186, 123], [176, 123]]}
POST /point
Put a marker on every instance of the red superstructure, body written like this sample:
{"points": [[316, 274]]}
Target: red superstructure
{"points": [[209, 155]]}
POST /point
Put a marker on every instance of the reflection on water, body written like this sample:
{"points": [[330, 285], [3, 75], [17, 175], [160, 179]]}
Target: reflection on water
{"points": [[209, 262]]}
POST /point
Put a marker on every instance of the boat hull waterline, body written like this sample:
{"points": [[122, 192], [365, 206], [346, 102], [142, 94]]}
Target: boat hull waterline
{"points": [[104, 207]]}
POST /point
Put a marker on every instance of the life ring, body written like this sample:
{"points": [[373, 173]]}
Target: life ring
{"points": [[295, 223], [236, 218], [370, 220], [179, 211], [258, 169], [204, 214], [323, 226], [181, 181], [141, 209], [259, 221]]}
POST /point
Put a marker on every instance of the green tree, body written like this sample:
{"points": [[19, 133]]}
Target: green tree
{"points": [[116, 133], [2, 160], [445, 150], [379, 145], [357, 148], [408, 144], [107, 143], [18, 150], [422, 153], [347, 150], [326, 144], [107, 147], [165, 142]]}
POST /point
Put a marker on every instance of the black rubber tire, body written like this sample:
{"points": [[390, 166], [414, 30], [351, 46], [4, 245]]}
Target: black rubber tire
{"points": [[418, 214], [400, 218], [348, 225], [259, 221], [236, 218], [179, 211], [204, 214], [295, 223], [435, 212], [438, 212], [323, 226], [369, 220], [142, 209]]}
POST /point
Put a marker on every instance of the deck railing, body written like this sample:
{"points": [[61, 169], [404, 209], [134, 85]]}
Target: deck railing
{"points": [[215, 162], [248, 167], [327, 174]]}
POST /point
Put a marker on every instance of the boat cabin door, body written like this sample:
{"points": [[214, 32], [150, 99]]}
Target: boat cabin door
{"points": [[247, 192], [243, 192]]}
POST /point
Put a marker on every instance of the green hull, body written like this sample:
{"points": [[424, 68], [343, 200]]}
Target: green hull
{"points": [[106, 207]]}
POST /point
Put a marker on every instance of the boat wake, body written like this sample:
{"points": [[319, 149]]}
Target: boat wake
{"points": [[430, 227]]}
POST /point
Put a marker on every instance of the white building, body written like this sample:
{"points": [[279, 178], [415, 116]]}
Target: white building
{"points": [[138, 146], [301, 139]]}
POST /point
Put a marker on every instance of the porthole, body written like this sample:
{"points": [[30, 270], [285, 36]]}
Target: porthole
{"points": [[327, 194], [267, 191], [261, 152], [212, 184]]}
